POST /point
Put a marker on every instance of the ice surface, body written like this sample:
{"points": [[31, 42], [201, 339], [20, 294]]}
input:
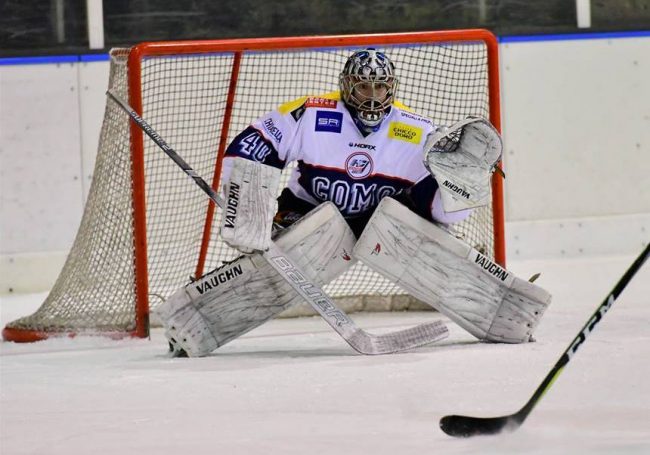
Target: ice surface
{"points": [[294, 387]]}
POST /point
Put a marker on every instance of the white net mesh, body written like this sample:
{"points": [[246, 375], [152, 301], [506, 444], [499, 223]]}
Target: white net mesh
{"points": [[184, 99]]}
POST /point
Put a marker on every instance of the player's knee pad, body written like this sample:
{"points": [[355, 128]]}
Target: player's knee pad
{"points": [[441, 270], [243, 294]]}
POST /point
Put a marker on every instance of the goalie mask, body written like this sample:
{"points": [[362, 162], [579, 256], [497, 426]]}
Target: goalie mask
{"points": [[368, 86]]}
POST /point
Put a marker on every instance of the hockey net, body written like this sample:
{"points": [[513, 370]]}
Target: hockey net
{"points": [[147, 228]]}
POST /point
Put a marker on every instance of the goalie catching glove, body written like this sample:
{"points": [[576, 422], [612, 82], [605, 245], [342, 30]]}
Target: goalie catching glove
{"points": [[251, 192], [462, 158]]}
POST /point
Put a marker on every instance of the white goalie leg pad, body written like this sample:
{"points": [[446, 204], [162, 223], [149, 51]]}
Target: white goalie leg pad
{"points": [[243, 294], [251, 193], [441, 270]]}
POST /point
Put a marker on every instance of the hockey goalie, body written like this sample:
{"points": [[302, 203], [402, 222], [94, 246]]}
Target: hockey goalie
{"points": [[374, 182]]}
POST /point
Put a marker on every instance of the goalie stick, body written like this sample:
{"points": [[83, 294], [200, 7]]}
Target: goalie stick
{"points": [[466, 426], [360, 340]]}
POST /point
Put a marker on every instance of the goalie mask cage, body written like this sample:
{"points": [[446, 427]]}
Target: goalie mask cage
{"points": [[146, 228]]}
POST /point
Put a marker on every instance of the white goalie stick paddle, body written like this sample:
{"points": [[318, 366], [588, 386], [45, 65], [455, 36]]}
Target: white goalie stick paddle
{"points": [[466, 426], [360, 340]]}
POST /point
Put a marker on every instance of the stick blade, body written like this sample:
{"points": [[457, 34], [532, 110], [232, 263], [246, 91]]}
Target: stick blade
{"points": [[402, 340], [465, 426]]}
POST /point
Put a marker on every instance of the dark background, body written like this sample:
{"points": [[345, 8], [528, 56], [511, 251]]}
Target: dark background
{"points": [[33, 27]]}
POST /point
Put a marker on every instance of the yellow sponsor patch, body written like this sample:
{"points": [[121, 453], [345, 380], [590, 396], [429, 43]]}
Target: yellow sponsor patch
{"points": [[403, 132]]}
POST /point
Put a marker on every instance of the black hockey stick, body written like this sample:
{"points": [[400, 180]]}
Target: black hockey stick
{"points": [[360, 340], [466, 426]]}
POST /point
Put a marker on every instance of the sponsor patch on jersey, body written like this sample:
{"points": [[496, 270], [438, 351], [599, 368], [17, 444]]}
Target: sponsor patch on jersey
{"points": [[415, 117], [273, 130], [320, 102], [331, 122], [360, 145], [403, 132], [359, 165]]}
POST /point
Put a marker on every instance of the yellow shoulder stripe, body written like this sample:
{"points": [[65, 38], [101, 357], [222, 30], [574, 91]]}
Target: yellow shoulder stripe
{"points": [[402, 106], [292, 105]]}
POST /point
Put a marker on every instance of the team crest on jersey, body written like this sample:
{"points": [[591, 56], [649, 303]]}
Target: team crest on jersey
{"points": [[403, 132], [359, 165], [320, 102], [331, 122]]}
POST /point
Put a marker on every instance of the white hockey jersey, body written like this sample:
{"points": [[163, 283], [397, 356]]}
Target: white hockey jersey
{"points": [[336, 162]]}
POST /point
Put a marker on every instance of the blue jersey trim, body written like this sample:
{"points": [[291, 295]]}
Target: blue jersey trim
{"points": [[252, 145]]}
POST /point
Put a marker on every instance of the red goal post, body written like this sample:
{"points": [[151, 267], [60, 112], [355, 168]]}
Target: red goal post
{"points": [[146, 230]]}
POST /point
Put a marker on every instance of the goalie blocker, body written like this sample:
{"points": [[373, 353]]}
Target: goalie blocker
{"points": [[432, 265], [251, 189]]}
